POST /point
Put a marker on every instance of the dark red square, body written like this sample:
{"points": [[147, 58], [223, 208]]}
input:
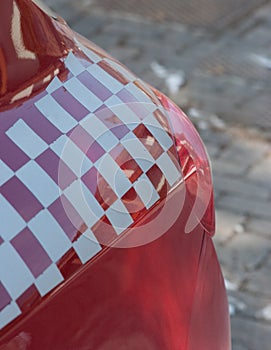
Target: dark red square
{"points": [[29, 298], [158, 180], [90, 179], [104, 231], [41, 125], [95, 152], [99, 188], [11, 154], [136, 106], [81, 138], [172, 152], [70, 104], [120, 130], [162, 119], [68, 218], [31, 251], [21, 198], [126, 96], [54, 166], [5, 298], [133, 203], [113, 123], [148, 140], [95, 86], [126, 162], [69, 263]]}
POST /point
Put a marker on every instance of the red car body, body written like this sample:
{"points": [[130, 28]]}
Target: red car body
{"points": [[106, 202]]}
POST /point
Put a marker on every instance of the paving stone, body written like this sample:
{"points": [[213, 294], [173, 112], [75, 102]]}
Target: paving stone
{"points": [[259, 282], [262, 227], [67, 11], [228, 168], [236, 59], [219, 139], [142, 30], [243, 151], [180, 37], [241, 187], [260, 36], [256, 111], [261, 173], [264, 13], [252, 207], [239, 347], [252, 303], [88, 26], [152, 79], [106, 42], [210, 81], [212, 150], [226, 225], [124, 54], [243, 251], [250, 334]]}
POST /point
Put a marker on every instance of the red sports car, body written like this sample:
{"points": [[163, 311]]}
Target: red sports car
{"points": [[106, 202]]}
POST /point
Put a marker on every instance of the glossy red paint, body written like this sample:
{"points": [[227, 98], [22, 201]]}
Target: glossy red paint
{"points": [[29, 40], [195, 166], [165, 294]]}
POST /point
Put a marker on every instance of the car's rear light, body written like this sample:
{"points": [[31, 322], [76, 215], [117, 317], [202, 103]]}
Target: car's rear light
{"points": [[195, 166]]}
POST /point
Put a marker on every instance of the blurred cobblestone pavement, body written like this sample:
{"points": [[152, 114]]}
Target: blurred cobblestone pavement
{"points": [[214, 60]]}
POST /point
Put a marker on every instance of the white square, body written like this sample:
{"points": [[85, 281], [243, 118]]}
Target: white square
{"points": [[11, 222], [89, 53], [121, 69], [87, 246], [54, 85], [123, 112], [50, 235], [72, 155], [82, 94], [76, 195], [108, 141], [39, 183], [114, 176], [9, 313], [49, 279], [5, 173], [146, 191], [92, 202], [158, 132], [106, 79], [94, 126], [138, 152], [73, 64], [14, 273], [58, 145], [113, 101], [56, 114], [119, 216], [168, 168], [26, 139], [150, 92], [141, 97]]}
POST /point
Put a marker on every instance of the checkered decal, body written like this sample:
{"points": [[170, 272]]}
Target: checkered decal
{"points": [[72, 141]]}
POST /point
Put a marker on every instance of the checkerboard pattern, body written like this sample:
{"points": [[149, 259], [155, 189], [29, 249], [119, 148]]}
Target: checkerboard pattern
{"points": [[76, 171]]}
